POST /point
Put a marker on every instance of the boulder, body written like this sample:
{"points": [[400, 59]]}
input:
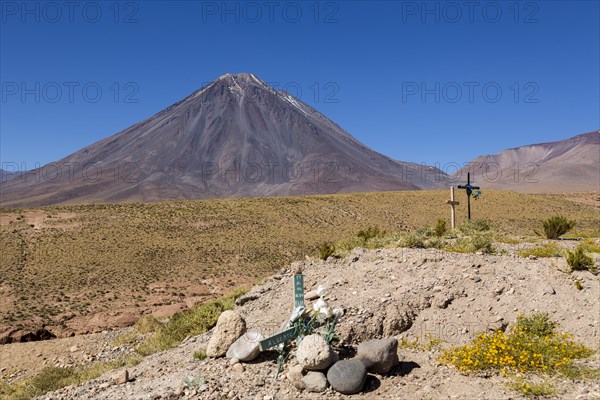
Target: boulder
{"points": [[379, 356], [347, 376], [315, 382], [245, 348], [230, 326], [314, 354]]}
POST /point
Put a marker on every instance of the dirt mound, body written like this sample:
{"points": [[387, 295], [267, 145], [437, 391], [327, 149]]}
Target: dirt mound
{"points": [[415, 295]]}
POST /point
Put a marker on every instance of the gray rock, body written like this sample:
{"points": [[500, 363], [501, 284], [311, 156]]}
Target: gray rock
{"points": [[295, 375], [240, 301], [477, 279], [245, 348], [547, 289], [315, 382], [314, 354], [379, 356], [230, 326], [347, 376]]}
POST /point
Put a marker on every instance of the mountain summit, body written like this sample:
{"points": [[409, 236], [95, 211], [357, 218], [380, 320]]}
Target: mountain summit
{"points": [[235, 137]]}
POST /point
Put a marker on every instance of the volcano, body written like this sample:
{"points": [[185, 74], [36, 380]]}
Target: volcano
{"points": [[235, 137]]}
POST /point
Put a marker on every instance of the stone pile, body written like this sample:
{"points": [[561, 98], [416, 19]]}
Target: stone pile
{"points": [[315, 366]]}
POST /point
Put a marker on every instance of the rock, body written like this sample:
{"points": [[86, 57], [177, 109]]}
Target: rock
{"points": [[73, 349], [230, 326], [121, 377], [397, 320], [240, 301], [314, 354], [311, 295], [347, 376], [547, 289], [245, 348], [477, 279], [315, 382], [379, 356], [295, 375], [239, 368]]}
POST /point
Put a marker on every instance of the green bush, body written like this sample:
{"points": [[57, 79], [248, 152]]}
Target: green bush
{"points": [[326, 250], [579, 261], [369, 233], [537, 324], [440, 228], [473, 227], [556, 226]]}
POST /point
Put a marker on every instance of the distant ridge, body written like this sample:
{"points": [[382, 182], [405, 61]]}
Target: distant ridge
{"points": [[570, 165]]}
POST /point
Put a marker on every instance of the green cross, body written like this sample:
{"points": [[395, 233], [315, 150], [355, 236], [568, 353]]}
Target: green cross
{"points": [[292, 332]]}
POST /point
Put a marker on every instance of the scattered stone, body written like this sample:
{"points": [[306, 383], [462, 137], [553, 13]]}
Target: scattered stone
{"points": [[315, 382], [477, 279], [239, 368], [547, 289], [121, 377], [314, 354], [73, 349], [379, 356], [347, 376], [246, 347], [230, 326]]}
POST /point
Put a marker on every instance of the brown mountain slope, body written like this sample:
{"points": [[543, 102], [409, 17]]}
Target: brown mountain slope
{"points": [[570, 165], [236, 137]]}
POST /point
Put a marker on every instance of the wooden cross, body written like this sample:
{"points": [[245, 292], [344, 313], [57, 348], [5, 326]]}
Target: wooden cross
{"points": [[452, 203], [469, 188], [292, 332]]}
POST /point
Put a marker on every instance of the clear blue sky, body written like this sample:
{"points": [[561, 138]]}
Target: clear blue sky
{"points": [[371, 62]]}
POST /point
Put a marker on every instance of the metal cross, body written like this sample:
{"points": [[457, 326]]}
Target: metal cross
{"points": [[469, 189]]}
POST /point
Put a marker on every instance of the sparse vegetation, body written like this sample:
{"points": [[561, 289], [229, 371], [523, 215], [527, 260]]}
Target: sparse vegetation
{"points": [[53, 378], [326, 250], [199, 355], [187, 323], [543, 250], [532, 346], [90, 259], [556, 226], [440, 228], [578, 285], [578, 260], [369, 233], [474, 236]]}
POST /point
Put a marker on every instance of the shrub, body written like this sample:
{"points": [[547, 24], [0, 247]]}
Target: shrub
{"points": [[589, 245], [544, 250], [538, 325], [556, 226], [475, 226], [532, 346], [199, 355], [326, 250], [579, 261], [422, 238], [440, 228], [369, 233]]}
